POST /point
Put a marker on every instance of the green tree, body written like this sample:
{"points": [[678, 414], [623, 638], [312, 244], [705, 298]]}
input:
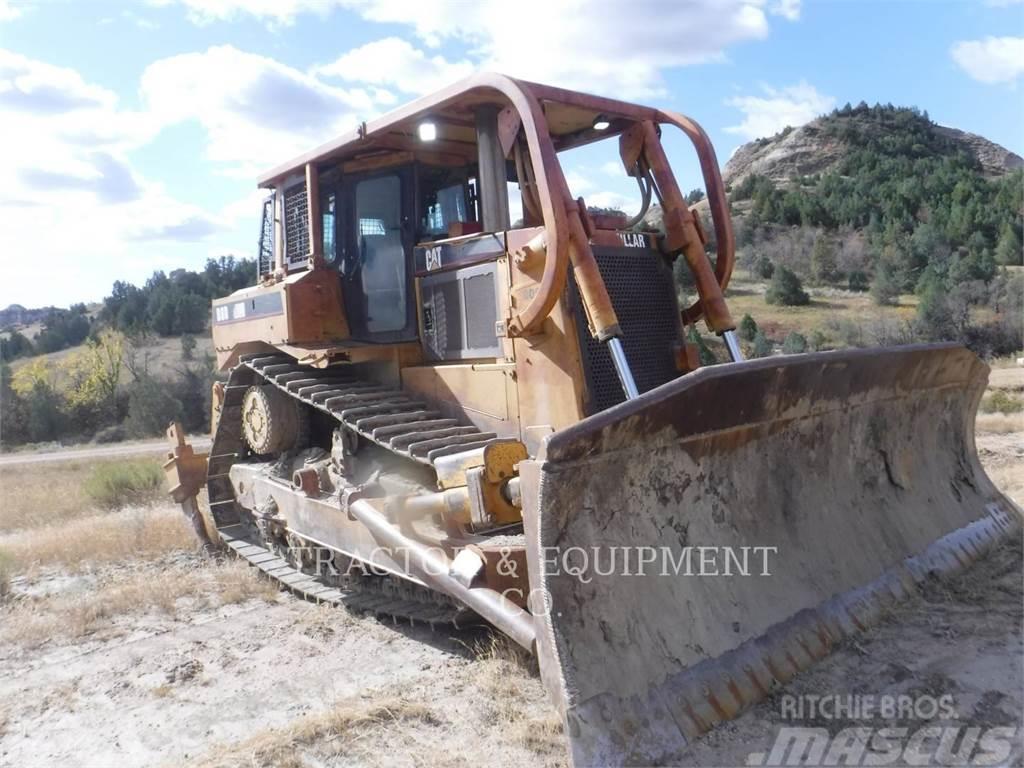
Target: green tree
{"points": [[94, 373], [748, 328], [151, 407], [885, 290], [785, 288], [694, 196], [762, 347], [858, 281], [13, 411], [818, 340], [934, 312], [190, 313], [14, 346], [823, 260], [35, 382], [1008, 249], [794, 344]]}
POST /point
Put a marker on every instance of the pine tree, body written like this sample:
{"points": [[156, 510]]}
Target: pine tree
{"points": [[823, 260], [762, 347], [1008, 249], [786, 289], [747, 328]]}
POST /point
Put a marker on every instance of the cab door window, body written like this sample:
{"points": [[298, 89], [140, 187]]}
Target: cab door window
{"points": [[381, 253]]}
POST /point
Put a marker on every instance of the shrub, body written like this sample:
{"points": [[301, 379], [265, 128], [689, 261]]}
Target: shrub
{"points": [[117, 484], [113, 434], [151, 407], [794, 344], [858, 281], [188, 346], [762, 347], [1002, 402], [748, 328], [823, 261], [818, 340], [765, 268], [785, 288], [886, 288]]}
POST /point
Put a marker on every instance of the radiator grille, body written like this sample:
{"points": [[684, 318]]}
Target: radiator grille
{"points": [[643, 294], [296, 226]]}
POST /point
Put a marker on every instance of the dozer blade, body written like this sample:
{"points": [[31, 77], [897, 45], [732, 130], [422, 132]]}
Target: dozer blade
{"points": [[856, 469]]}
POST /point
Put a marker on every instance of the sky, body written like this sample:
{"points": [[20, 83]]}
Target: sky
{"points": [[133, 132]]}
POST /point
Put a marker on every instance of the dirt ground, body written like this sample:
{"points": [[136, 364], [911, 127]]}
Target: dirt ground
{"points": [[172, 660]]}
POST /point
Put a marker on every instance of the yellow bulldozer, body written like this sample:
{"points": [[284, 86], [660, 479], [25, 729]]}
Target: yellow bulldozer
{"points": [[435, 415]]}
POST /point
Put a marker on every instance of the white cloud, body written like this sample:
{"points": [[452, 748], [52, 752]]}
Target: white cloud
{"points": [[276, 12], [71, 202], [992, 60], [9, 10], [787, 9], [610, 47], [396, 63], [768, 114], [256, 111], [578, 183], [607, 46], [613, 168]]}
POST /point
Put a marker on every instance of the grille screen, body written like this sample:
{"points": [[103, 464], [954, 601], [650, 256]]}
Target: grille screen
{"points": [[642, 291], [266, 244], [481, 311], [296, 225]]}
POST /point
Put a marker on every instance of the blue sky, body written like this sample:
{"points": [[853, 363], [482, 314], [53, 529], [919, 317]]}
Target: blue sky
{"points": [[134, 131]]}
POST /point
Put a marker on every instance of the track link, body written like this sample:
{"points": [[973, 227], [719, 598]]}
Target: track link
{"points": [[388, 417]]}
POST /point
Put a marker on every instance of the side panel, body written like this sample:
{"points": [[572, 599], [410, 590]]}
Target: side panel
{"points": [[549, 372], [304, 308], [485, 394]]}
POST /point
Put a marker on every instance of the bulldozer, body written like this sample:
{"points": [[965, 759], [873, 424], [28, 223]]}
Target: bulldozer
{"points": [[434, 415]]}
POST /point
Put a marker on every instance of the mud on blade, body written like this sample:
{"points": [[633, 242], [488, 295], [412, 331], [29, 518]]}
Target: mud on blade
{"points": [[857, 468]]}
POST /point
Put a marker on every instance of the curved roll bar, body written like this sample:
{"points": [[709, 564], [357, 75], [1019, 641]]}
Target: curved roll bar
{"points": [[566, 237], [717, 202]]}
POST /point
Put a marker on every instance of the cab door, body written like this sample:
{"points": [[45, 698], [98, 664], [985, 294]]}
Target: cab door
{"points": [[376, 237]]}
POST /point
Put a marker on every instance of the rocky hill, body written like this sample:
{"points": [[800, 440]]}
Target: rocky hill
{"points": [[820, 145], [17, 315]]}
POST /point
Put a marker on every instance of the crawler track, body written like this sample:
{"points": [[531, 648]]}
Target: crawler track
{"points": [[386, 417]]}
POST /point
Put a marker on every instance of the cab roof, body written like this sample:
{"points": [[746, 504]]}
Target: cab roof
{"points": [[568, 116]]}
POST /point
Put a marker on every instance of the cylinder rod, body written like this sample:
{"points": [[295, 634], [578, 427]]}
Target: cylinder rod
{"points": [[733, 345], [622, 368]]}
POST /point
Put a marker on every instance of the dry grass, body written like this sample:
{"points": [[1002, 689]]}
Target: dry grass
{"points": [[34, 495], [101, 538], [999, 423], [828, 305], [137, 481], [1010, 480], [340, 729], [32, 622], [5, 575], [501, 667]]}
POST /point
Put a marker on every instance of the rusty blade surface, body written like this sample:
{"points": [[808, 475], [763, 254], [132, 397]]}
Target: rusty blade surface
{"points": [[858, 469]]}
